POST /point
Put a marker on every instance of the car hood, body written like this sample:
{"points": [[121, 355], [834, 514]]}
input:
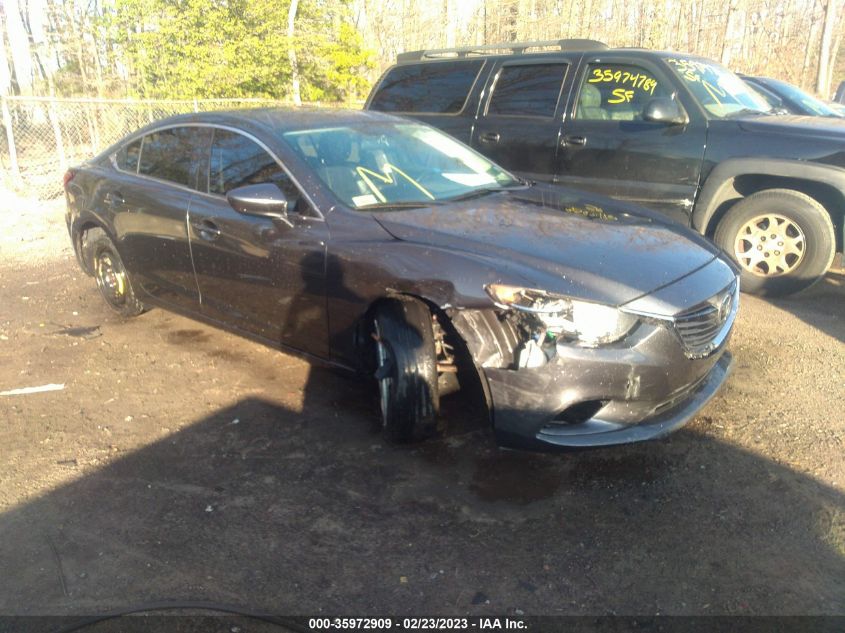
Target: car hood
{"points": [[788, 124], [588, 247]]}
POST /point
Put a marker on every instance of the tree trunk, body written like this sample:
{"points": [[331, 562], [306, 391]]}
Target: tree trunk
{"points": [[823, 77], [294, 66]]}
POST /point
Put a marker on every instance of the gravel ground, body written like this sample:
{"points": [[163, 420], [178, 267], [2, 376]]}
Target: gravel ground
{"points": [[178, 462]]}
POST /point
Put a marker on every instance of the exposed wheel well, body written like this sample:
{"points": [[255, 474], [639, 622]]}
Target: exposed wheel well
{"points": [[744, 185], [467, 368], [80, 238]]}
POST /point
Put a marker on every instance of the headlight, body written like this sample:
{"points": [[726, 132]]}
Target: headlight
{"points": [[583, 322]]}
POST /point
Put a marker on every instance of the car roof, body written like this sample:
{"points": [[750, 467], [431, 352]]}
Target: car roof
{"points": [[276, 120]]}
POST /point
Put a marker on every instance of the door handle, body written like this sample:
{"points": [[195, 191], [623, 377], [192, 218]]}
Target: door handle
{"points": [[489, 137], [113, 198], [573, 139], [207, 230]]}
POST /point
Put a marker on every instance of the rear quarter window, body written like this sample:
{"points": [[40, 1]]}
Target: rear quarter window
{"points": [[127, 156], [433, 88]]}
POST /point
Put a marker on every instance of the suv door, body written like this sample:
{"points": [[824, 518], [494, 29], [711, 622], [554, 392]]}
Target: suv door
{"points": [[608, 148], [149, 199], [442, 93], [519, 125], [258, 274]]}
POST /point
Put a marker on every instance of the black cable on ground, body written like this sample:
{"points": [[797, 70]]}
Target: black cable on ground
{"points": [[286, 623]]}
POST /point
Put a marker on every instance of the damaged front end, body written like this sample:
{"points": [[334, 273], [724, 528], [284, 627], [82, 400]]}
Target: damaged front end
{"points": [[570, 373]]}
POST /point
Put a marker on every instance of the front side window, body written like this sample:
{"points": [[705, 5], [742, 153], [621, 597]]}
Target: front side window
{"points": [[237, 161], [717, 89], [170, 154], [436, 87], [384, 164], [527, 90], [617, 92]]}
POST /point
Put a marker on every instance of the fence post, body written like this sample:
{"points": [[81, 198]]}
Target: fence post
{"points": [[17, 182], [57, 134]]}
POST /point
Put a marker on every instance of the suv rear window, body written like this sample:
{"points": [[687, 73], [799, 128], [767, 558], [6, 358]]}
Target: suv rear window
{"points": [[436, 88], [527, 90]]}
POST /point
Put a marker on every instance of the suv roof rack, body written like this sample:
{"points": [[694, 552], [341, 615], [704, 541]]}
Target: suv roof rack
{"points": [[513, 47]]}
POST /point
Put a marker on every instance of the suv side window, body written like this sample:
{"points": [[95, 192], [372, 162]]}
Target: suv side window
{"points": [[127, 156], [434, 87], [170, 154], [617, 92], [237, 161], [527, 90]]}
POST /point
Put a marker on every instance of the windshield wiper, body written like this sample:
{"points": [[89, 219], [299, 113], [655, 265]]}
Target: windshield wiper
{"points": [[383, 206], [747, 111], [477, 193]]}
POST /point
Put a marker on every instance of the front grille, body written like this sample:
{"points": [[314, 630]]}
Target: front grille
{"points": [[703, 328]]}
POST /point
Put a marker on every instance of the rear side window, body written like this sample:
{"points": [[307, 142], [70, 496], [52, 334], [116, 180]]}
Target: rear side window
{"points": [[527, 90], [170, 154], [237, 161], [127, 157], [435, 88]]}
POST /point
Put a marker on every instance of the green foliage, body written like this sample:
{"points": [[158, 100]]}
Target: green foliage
{"points": [[185, 49]]}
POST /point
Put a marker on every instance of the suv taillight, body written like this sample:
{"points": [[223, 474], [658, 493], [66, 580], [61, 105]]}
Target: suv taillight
{"points": [[69, 174]]}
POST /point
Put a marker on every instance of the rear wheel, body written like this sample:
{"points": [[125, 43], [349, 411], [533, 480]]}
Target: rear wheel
{"points": [[110, 274], [406, 370], [783, 241]]}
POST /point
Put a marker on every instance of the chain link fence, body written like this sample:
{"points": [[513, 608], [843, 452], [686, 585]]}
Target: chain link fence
{"points": [[42, 136]]}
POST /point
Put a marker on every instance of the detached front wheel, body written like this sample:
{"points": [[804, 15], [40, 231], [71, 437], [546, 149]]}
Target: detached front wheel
{"points": [[406, 370], [783, 241]]}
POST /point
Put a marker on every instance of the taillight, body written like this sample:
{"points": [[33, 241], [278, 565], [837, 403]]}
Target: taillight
{"points": [[69, 174]]}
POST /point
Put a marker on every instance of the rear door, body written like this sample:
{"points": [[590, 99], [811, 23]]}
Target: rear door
{"points": [[608, 148], [519, 124], [150, 204], [258, 274], [441, 93]]}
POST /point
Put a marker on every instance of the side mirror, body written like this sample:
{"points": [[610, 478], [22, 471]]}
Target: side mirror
{"points": [[265, 200], [664, 110]]}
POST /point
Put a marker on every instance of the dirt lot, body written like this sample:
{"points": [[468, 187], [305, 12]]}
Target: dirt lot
{"points": [[180, 462]]}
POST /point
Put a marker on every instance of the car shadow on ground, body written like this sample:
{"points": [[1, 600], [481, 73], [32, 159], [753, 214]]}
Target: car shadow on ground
{"points": [[311, 512], [822, 306]]}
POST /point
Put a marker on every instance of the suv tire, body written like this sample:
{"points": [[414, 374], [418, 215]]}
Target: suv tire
{"points": [[782, 240], [406, 370]]}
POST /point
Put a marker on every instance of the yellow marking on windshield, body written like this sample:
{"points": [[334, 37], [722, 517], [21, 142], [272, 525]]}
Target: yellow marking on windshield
{"points": [[388, 179]]}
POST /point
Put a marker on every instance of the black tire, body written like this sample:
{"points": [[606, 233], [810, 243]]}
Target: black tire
{"points": [[112, 279], [796, 216], [407, 374]]}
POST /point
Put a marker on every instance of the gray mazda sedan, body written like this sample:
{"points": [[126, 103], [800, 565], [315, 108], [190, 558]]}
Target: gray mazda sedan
{"points": [[384, 246]]}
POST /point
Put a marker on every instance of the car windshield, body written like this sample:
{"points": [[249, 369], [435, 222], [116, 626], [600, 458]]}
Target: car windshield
{"points": [[717, 89], [383, 165], [794, 93]]}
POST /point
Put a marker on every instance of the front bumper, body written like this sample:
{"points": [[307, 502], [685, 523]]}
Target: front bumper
{"points": [[639, 393]]}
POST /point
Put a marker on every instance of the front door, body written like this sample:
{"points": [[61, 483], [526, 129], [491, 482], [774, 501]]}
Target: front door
{"points": [[519, 124], [259, 274], [608, 148]]}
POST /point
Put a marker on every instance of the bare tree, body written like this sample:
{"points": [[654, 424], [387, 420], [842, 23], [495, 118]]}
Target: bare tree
{"points": [[825, 59], [294, 66]]}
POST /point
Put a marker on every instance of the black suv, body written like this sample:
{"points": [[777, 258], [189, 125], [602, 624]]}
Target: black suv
{"points": [[680, 134]]}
